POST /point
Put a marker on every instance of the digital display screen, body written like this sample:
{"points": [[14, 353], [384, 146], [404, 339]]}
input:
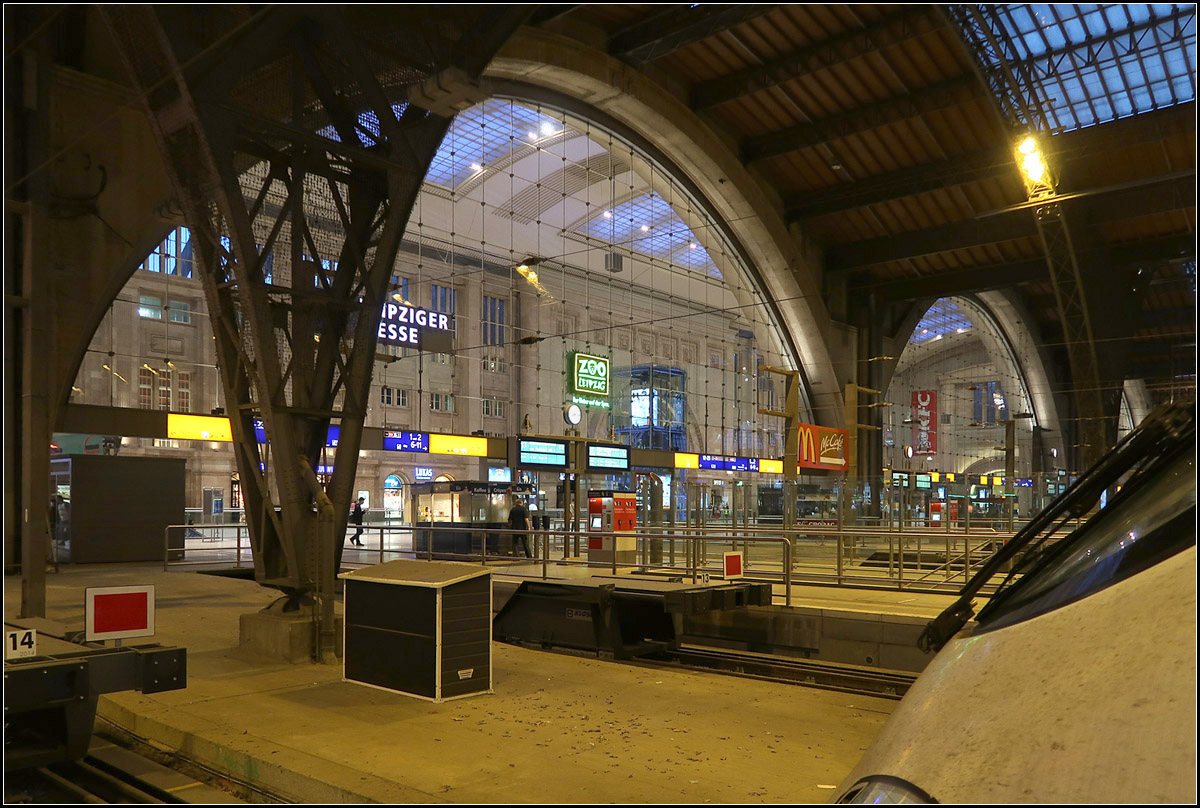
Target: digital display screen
{"points": [[499, 475], [540, 452], [899, 479], [607, 457], [597, 523], [923, 481], [405, 441]]}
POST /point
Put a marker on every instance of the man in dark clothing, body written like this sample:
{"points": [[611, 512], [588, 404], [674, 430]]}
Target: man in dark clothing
{"points": [[518, 520], [357, 518]]}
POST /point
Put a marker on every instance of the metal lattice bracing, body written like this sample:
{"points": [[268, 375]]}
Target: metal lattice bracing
{"points": [[297, 165]]}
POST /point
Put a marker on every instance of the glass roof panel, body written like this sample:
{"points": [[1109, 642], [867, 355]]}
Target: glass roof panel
{"points": [[942, 319], [648, 225], [1093, 63], [484, 133]]}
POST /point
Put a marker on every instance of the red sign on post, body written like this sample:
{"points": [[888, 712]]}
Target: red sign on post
{"points": [[118, 612], [733, 565], [924, 405]]}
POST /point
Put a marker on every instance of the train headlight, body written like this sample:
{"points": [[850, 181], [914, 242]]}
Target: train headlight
{"points": [[883, 789]]}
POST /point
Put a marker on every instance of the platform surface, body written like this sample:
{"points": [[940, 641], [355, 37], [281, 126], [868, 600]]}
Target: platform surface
{"points": [[559, 729]]}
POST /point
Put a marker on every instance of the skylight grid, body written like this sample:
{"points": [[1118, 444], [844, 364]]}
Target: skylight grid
{"points": [[942, 319], [485, 133], [649, 225], [1095, 63], [367, 123]]}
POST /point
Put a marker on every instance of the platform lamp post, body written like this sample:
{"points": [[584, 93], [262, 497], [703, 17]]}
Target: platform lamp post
{"points": [[1010, 433]]}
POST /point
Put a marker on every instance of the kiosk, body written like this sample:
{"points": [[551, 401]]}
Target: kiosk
{"points": [[456, 518], [611, 513]]}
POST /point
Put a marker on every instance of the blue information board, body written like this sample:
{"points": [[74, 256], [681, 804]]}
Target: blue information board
{"points": [[406, 441]]}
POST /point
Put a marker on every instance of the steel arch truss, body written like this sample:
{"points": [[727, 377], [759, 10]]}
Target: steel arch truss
{"points": [[297, 174]]}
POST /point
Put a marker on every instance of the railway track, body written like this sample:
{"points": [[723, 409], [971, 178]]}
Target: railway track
{"points": [[807, 672], [108, 774]]}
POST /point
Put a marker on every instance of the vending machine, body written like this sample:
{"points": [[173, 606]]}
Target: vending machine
{"points": [[610, 514]]}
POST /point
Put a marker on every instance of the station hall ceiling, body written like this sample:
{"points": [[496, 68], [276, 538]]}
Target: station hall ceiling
{"points": [[887, 134]]}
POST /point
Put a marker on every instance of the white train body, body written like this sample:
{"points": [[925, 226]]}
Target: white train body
{"points": [[1079, 688]]}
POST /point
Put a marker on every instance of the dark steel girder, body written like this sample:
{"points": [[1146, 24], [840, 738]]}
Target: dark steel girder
{"points": [[957, 170], [1151, 253], [953, 282], [1152, 195], [1063, 151], [889, 30], [677, 27], [299, 361], [861, 119]]}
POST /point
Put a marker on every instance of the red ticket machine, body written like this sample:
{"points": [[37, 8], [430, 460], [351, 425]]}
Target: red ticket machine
{"points": [[611, 513]]}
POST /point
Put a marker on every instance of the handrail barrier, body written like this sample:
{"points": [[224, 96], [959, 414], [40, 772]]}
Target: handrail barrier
{"points": [[923, 560]]}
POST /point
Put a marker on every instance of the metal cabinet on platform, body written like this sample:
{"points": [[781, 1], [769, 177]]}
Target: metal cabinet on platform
{"points": [[421, 628]]}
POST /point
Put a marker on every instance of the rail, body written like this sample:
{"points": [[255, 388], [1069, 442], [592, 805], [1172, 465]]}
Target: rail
{"points": [[931, 560]]}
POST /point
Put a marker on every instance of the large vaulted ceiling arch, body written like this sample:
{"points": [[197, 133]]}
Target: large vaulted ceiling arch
{"points": [[542, 67]]}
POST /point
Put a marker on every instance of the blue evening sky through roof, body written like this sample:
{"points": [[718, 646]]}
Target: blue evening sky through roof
{"points": [[1141, 67], [943, 318], [493, 129]]}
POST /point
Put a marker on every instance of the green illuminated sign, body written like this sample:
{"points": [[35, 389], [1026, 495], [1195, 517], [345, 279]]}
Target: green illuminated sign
{"points": [[590, 377]]}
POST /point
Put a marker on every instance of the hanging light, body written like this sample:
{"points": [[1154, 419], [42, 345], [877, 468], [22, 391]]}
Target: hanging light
{"points": [[1033, 166]]}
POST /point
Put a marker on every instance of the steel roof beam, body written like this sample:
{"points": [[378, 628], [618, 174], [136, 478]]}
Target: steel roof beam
{"points": [[677, 27], [1154, 195], [904, 182], [1002, 275], [861, 119], [954, 282], [988, 163], [889, 30]]}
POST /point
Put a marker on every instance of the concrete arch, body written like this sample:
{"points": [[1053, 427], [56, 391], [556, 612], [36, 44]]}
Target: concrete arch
{"points": [[570, 74], [1017, 344]]}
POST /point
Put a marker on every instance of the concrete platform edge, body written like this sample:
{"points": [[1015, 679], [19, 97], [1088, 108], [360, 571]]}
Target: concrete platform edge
{"points": [[275, 768]]}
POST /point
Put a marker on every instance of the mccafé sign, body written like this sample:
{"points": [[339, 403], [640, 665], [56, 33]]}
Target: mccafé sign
{"points": [[821, 447]]}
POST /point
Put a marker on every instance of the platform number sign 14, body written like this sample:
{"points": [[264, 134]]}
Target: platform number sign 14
{"points": [[20, 643]]}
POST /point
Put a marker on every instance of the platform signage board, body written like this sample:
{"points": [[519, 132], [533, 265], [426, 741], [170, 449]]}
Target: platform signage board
{"points": [[607, 457], [733, 565], [118, 612], [542, 452], [396, 441], [20, 643]]}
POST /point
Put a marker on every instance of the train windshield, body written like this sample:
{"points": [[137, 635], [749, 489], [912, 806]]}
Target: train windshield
{"points": [[1145, 487], [1154, 521]]}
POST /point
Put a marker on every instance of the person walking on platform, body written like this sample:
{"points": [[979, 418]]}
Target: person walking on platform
{"points": [[518, 521], [356, 517]]}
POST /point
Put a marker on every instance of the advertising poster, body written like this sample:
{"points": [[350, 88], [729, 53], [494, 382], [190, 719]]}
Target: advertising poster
{"points": [[924, 407]]}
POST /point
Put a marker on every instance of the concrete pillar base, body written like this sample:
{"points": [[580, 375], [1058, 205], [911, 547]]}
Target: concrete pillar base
{"points": [[281, 636]]}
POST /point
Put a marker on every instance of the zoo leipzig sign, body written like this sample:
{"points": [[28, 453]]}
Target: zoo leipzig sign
{"points": [[589, 380]]}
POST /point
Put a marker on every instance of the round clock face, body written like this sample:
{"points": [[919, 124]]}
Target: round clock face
{"points": [[573, 414]]}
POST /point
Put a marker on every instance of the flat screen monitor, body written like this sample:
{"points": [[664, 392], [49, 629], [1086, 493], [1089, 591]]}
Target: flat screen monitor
{"points": [[597, 523], [542, 453], [603, 457]]}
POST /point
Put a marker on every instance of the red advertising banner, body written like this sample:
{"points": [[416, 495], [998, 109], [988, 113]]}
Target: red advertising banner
{"points": [[924, 407]]}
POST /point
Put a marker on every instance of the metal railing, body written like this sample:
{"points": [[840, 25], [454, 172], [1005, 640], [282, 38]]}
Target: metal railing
{"points": [[922, 560]]}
